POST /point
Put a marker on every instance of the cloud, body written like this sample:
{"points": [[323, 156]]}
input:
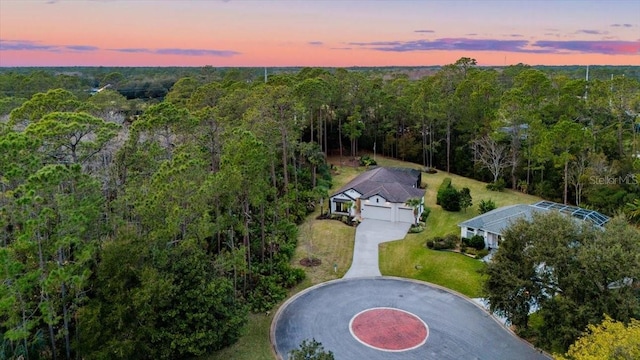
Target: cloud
{"points": [[591, 32], [591, 47], [177, 51], [607, 47], [315, 43], [515, 35], [26, 45], [622, 25], [81, 48], [132, 50], [446, 44], [196, 52], [424, 31]]}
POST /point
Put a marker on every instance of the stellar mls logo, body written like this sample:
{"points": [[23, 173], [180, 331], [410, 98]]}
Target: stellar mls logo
{"points": [[628, 179]]}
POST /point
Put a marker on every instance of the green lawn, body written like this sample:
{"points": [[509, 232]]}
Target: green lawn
{"points": [[408, 258], [332, 242], [253, 345]]}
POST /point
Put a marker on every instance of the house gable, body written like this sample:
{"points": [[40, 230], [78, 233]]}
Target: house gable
{"points": [[376, 200]]}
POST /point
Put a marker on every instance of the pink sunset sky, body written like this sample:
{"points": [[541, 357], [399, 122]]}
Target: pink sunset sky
{"points": [[329, 33]]}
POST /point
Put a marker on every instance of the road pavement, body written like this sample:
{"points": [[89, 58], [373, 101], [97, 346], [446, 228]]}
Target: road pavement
{"points": [[458, 328]]}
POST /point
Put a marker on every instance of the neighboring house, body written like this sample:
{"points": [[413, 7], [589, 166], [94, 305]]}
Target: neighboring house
{"points": [[382, 194], [491, 225]]}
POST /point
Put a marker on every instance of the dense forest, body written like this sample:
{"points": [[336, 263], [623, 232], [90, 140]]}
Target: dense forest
{"points": [[132, 197]]}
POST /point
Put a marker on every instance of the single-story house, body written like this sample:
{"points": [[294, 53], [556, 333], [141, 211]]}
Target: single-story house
{"points": [[491, 225], [381, 193]]}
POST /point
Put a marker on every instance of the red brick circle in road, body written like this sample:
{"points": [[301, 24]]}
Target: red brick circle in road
{"points": [[389, 329]]}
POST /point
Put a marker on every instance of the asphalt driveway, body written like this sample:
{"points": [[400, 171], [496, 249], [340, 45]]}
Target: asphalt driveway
{"points": [[457, 327], [369, 234]]}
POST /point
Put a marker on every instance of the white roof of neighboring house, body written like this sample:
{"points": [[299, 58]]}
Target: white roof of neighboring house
{"points": [[495, 221]]}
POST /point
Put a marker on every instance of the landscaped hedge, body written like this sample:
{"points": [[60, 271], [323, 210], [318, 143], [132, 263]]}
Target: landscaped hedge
{"points": [[449, 199], [476, 242], [441, 243], [446, 183], [497, 186], [425, 214], [366, 160], [486, 205]]}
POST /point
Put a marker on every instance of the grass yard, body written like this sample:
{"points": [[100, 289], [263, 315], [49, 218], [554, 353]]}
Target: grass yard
{"points": [[408, 258], [253, 345]]}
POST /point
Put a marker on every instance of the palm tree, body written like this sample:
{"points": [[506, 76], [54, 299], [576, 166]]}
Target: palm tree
{"points": [[632, 210], [415, 203]]}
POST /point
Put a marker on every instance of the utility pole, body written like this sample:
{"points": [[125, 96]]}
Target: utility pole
{"points": [[586, 87]]}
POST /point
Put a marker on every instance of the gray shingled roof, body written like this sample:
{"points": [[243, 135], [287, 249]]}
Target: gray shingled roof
{"points": [[497, 220], [395, 185]]}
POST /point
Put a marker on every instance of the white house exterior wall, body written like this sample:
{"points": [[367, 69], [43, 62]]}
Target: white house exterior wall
{"points": [[344, 199], [376, 200], [352, 194], [375, 207], [490, 239]]}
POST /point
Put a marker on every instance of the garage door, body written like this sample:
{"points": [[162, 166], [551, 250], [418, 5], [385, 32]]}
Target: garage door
{"points": [[406, 215], [376, 212]]}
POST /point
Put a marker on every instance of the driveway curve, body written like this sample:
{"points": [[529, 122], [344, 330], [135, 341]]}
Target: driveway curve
{"points": [[454, 326]]}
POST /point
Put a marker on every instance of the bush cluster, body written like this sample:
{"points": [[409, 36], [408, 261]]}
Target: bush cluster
{"points": [[452, 199], [497, 186], [476, 242], [366, 160], [485, 206], [446, 183], [425, 214], [441, 243]]}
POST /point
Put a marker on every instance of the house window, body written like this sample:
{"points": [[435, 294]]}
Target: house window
{"points": [[377, 200], [470, 233], [342, 207]]}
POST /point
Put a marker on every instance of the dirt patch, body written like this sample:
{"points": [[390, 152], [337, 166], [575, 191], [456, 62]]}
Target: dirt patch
{"points": [[336, 162], [309, 262]]}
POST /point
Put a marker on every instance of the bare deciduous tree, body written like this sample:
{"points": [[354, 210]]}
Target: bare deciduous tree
{"points": [[491, 155], [577, 175]]}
